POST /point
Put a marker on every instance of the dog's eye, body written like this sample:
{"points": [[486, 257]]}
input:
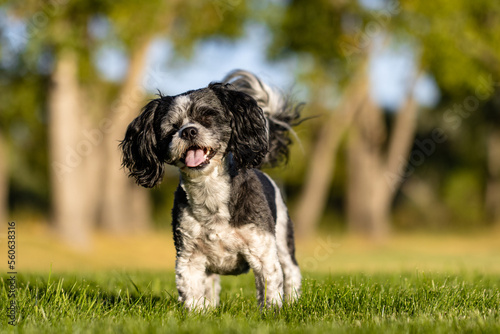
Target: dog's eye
{"points": [[206, 117], [176, 126]]}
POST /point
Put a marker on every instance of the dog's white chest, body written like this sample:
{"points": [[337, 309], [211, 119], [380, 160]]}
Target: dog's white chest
{"points": [[220, 244], [223, 250], [205, 224]]}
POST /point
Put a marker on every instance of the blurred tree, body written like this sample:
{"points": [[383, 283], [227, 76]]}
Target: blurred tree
{"points": [[125, 205], [22, 120], [4, 179], [339, 35], [317, 33], [493, 184], [460, 43], [374, 173], [88, 185], [319, 175], [70, 181]]}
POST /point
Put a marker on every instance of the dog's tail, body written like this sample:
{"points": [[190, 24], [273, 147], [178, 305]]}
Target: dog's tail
{"points": [[281, 113]]}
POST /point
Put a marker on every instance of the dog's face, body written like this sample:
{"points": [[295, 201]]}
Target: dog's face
{"points": [[195, 132]]}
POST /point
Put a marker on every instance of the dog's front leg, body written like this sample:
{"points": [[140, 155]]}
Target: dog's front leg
{"points": [[269, 282], [262, 257], [212, 289], [191, 280]]}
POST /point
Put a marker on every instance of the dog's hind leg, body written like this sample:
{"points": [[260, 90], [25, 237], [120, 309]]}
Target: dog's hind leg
{"points": [[285, 244], [286, 253], [286, 250]]}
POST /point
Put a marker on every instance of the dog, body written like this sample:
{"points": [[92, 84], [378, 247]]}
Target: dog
{"points": [[228, 216]]}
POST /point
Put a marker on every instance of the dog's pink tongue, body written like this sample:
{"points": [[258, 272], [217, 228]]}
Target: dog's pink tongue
{"points": [[194, 158]]}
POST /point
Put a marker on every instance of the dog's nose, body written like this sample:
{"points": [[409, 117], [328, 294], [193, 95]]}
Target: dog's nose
{"points": [[189, 133]]}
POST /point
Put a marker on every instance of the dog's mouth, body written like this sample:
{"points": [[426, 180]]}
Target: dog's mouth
{"points": [[198, 157]]}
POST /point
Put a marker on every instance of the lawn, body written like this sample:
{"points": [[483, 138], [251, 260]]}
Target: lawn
{"points": [[125, 284], [146, 302]]}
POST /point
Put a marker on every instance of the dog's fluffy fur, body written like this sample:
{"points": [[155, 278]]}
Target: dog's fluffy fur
{"points": [[228, 216]]}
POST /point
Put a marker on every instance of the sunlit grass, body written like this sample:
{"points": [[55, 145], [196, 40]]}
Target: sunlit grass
{"points": [[125, 284], [136, 302]]}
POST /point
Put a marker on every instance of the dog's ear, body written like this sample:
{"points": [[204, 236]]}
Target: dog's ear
{"points": [[140, 150], [249, 141]]}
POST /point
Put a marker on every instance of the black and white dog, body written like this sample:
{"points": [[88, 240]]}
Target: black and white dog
{"points": [[228, 216]]}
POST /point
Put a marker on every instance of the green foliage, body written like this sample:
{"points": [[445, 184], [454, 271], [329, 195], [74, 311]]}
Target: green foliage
{"points": [[54, 26], [312, 27], [58, 24], [460, 41], [153, 18], [463, 197], [23, 125], [147, 302], [459, 44], [196, 20]]}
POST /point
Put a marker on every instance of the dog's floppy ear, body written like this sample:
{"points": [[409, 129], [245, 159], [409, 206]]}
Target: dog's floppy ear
{"points": [[249, 141], [140, 151]]}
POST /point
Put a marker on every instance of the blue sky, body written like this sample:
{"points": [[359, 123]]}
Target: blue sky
{"points": [[391, 68], [211, 61]]}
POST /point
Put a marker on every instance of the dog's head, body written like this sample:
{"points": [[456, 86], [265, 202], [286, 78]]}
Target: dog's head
{"points": [[195, 131]]}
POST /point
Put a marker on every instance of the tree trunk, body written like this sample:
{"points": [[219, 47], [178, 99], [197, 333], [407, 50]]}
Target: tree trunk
{"points": [[125, 205], [319, 176], [364, 164], [4, 182], [67, 151], [493, 183], [370, 193]]}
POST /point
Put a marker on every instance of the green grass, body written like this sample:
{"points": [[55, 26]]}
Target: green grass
{"points": [[115, 302]]}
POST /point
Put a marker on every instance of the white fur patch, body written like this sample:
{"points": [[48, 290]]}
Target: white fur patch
{"points": [[182, 102]]}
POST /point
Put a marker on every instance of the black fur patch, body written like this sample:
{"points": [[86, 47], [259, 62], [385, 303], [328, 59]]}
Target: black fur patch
{"points": [[248, 203], [269, 191], [180, 203], [281, 120], [249, 143], [142, 146]]}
